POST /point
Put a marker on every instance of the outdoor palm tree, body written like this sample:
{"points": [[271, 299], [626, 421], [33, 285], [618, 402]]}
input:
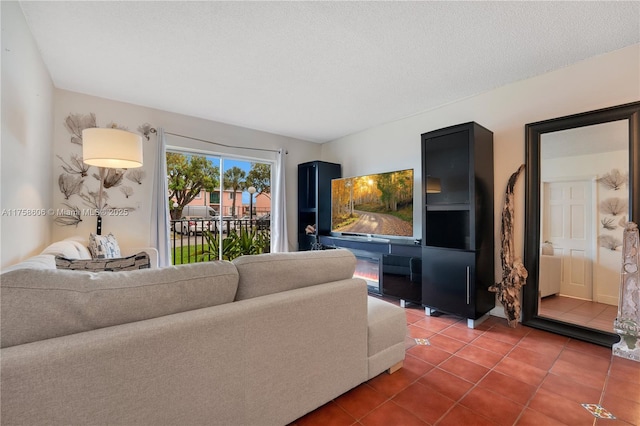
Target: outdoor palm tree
{"points": [[234, 179]]}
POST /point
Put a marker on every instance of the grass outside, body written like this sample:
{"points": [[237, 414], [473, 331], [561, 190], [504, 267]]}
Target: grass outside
{"points": [[187, 254]]}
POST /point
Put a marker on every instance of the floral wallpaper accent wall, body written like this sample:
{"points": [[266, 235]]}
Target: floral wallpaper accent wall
{"points": [[79, 183]]}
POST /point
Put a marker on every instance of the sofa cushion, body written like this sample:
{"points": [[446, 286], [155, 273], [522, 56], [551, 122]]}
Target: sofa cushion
{"points": [[104, 246], [38, 304], [264, 274], [131, 263]]}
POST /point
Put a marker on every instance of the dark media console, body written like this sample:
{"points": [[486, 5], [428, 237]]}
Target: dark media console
{"points": [[390, 267]]}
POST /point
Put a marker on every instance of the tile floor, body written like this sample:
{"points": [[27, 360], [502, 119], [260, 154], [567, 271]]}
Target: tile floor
{"points": [[591, 314], [492, 375]]}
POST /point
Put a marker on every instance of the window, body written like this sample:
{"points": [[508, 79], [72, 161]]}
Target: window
{"points": [[215, 231]]}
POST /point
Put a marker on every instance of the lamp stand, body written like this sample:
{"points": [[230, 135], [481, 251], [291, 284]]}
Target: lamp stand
{"points": [[101, 172]]}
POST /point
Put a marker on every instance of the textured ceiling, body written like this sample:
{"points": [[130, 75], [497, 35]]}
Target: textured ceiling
{"points": [[315, 70]]}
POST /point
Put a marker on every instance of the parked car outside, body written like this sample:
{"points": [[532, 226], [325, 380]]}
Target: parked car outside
{"points": [[264, 222], [205, 212], [194, 225]]}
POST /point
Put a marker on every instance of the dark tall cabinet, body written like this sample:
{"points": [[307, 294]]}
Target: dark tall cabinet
{"points": [[314, 199], [457, 221]]}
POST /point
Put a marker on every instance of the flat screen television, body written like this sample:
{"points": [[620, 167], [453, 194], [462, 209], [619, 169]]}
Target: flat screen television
{"points": [[379, 204]]}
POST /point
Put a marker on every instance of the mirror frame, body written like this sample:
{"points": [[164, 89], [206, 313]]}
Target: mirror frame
{"points": [[533, 133]]}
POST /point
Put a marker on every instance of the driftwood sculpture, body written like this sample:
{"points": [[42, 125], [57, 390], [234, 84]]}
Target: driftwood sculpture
{"points": [[514, 274]]}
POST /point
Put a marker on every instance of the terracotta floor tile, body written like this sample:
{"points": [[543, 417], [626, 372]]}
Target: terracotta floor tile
{"points": [[360, 401], [414, 315], [493, 345], [409, 342], [542, 346], [465, 334], [580, 374], [434, 382], [430, 354], [587, 361], [495, 407], [613, 422], [564, 410], [391, 384], [464, 369], [533, 418], [432, 324], [461, 415], [448, 318], [535, 359], [508, 387], [416, 365], [446, 343], [415, 331], [505, 334], [328, 414], [502, 322], [391, 413], [589, 348], [623, 409], [625, 369], [446, 383], [424, 402], [521, 371], [571, 389], [622, 389], [479, 356], [546, 337]]}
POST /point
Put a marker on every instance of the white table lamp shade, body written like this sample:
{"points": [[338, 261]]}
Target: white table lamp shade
{"points": [[112, 148]]}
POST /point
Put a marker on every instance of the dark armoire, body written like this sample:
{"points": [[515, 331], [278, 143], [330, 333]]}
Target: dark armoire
{"points": [[314, 199], [458, 221]]}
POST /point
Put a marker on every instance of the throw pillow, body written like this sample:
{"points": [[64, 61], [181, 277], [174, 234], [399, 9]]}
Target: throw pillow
{"points": [[137, 261], [103, 246]]}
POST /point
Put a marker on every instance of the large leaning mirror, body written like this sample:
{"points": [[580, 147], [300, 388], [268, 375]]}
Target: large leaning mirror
{"points": [[582, 171]]}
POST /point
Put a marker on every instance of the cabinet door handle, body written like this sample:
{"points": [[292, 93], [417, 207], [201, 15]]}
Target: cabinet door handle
{"points": [[468, 268]]}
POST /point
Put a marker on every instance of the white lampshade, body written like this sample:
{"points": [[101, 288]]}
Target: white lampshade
{"points": [[112, 148]]}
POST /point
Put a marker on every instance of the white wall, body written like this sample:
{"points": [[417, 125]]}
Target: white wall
{"points": [[598, 82], [27, 123], [133, 230]]}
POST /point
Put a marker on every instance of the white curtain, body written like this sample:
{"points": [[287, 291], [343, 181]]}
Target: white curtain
{"points": [[159, 204], [279, 240]]}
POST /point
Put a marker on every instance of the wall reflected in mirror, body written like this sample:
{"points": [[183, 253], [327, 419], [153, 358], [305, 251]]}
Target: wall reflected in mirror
{"points": [[584, 190]]}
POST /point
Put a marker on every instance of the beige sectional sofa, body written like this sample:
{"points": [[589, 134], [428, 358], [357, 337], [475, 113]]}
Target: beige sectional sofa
{"points": [[261, 340]]}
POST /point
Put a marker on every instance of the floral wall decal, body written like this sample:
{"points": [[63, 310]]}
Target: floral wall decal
{"points": [[613, 206], [615, 179], [69, 216], [610, 242], [127, 191], [72, 182], [75, 166], [607, 223], [76, 123], [146, 129], [136, 175], [70, 185]]}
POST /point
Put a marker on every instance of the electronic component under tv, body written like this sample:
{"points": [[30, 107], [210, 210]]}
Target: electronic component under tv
{"points": [[379, 204]]}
